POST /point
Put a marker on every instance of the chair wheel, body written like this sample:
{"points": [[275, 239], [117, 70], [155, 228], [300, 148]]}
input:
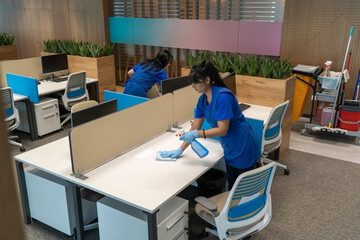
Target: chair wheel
{"points": [[22, 149], [286, 171]]}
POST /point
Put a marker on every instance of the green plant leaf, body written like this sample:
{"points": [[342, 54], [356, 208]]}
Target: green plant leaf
{"points": [[252, 65], [237, 64], [221, 63], [6, 39], [107, 49]]}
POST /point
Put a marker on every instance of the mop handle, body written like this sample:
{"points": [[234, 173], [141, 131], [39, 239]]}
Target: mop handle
{"points": [[357, 84], [340, 77]]}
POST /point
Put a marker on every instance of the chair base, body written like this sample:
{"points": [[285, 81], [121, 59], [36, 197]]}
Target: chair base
{"points": [[266, 160], [68, 116], [12, 142]]}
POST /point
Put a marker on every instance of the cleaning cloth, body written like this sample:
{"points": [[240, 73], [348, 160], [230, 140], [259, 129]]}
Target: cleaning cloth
{"points": [[159, 158]]}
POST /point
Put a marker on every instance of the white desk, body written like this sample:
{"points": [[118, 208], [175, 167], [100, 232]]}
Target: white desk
{"points": [[134, 178], [258, 112], [45, 88]]}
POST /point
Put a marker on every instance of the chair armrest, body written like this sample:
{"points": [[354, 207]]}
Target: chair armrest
{"points": [[208, 204]]}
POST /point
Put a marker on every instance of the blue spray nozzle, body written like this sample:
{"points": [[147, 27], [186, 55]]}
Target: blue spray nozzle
{"points": [[351, 32]]}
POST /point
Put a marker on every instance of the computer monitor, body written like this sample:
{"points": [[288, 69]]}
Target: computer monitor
{"points": [[94, 112], [54, 63], [172, 84]]}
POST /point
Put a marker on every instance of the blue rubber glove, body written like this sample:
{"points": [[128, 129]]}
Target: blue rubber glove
{"points": [[189, 136], [171, 154]]}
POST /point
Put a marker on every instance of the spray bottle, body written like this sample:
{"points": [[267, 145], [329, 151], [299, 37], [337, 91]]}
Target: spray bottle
{"points": [[197, 147], [327, 68]]}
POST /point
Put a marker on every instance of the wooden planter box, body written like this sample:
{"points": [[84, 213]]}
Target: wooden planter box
{"points": [[184, 71], [102, 68], [269, 92], [8, 52]]}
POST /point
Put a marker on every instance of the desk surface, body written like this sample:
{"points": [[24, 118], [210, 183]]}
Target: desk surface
{"points": [[19, 97], [133, 177], [257, 112], [47, 87]]}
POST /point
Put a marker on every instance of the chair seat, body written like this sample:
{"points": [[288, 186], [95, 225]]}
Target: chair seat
{"points": [[220, 201], [205, 214]]}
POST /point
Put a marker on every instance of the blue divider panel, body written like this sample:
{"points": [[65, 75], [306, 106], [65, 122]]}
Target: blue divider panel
{"points": [[123, 100], [257, 127], [26, 86]]}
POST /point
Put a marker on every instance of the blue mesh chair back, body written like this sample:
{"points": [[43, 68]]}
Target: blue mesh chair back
{"points": [[76, 85], [7, 101], [254, 186]]}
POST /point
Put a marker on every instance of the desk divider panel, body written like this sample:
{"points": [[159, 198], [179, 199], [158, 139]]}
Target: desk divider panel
{"points": [[26, 86], [93, 143], [185, 100], [27, 67], [123, 100]]}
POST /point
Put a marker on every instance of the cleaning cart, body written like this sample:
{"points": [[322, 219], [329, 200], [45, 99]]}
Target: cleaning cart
{"points": [[345, 115], [341, 116]]}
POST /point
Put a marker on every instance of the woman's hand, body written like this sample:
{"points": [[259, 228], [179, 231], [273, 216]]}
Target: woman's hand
{"points": [[190, 136], [171, 154]]}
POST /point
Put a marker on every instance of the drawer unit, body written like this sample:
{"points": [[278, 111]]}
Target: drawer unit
{"points": [[50, 201], [119, 221], [47, 115]]}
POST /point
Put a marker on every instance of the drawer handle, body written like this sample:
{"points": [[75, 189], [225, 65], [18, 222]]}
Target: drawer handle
{"points": [[174, 223], [48, 106], [49, 115]]}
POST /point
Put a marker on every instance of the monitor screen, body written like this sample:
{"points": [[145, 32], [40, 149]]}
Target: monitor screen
{"points": [[172, 84], [94, 112], [54, 63]]}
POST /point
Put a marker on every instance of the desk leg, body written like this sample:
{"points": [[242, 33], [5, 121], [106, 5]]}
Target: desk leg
{"points": [[79, 220], [31, 120], [97, 91], [23, 192], [152, 226]]}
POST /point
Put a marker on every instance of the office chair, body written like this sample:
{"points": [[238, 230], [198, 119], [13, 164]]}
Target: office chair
{"points": [[12, 118], [244, 210], [153, 92], [75, 92], [271, 139], [80, 106]]}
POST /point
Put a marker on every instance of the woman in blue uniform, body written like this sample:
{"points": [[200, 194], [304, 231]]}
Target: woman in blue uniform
{"points": [[220, 108], [147, 73]]}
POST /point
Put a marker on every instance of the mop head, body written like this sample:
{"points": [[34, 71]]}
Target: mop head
{"points": [[159, 158], [327, 129]]}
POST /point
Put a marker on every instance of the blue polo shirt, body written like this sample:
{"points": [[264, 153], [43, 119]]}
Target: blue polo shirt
{"points": [[142, 80], [240, 149]]}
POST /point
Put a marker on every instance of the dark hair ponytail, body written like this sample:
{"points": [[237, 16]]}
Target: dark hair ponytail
{"points": [[162, 59], [206, 69]]}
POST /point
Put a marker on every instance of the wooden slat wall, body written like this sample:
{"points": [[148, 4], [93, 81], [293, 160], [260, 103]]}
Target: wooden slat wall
{"points": [[32, 21], [316, 31]]}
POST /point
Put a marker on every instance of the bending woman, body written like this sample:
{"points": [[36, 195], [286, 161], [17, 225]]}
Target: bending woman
{"points": [[219, 106], [147, 73]]}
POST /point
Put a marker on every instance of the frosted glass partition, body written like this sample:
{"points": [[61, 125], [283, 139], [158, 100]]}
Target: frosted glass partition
{"points": [[98, 141]]}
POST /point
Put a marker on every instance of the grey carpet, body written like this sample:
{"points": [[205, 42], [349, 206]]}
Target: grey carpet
{"points": [[320, 199]]}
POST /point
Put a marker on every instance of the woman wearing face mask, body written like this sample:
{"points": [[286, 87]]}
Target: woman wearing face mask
{"points": [[220, 108], [147, 73]]}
